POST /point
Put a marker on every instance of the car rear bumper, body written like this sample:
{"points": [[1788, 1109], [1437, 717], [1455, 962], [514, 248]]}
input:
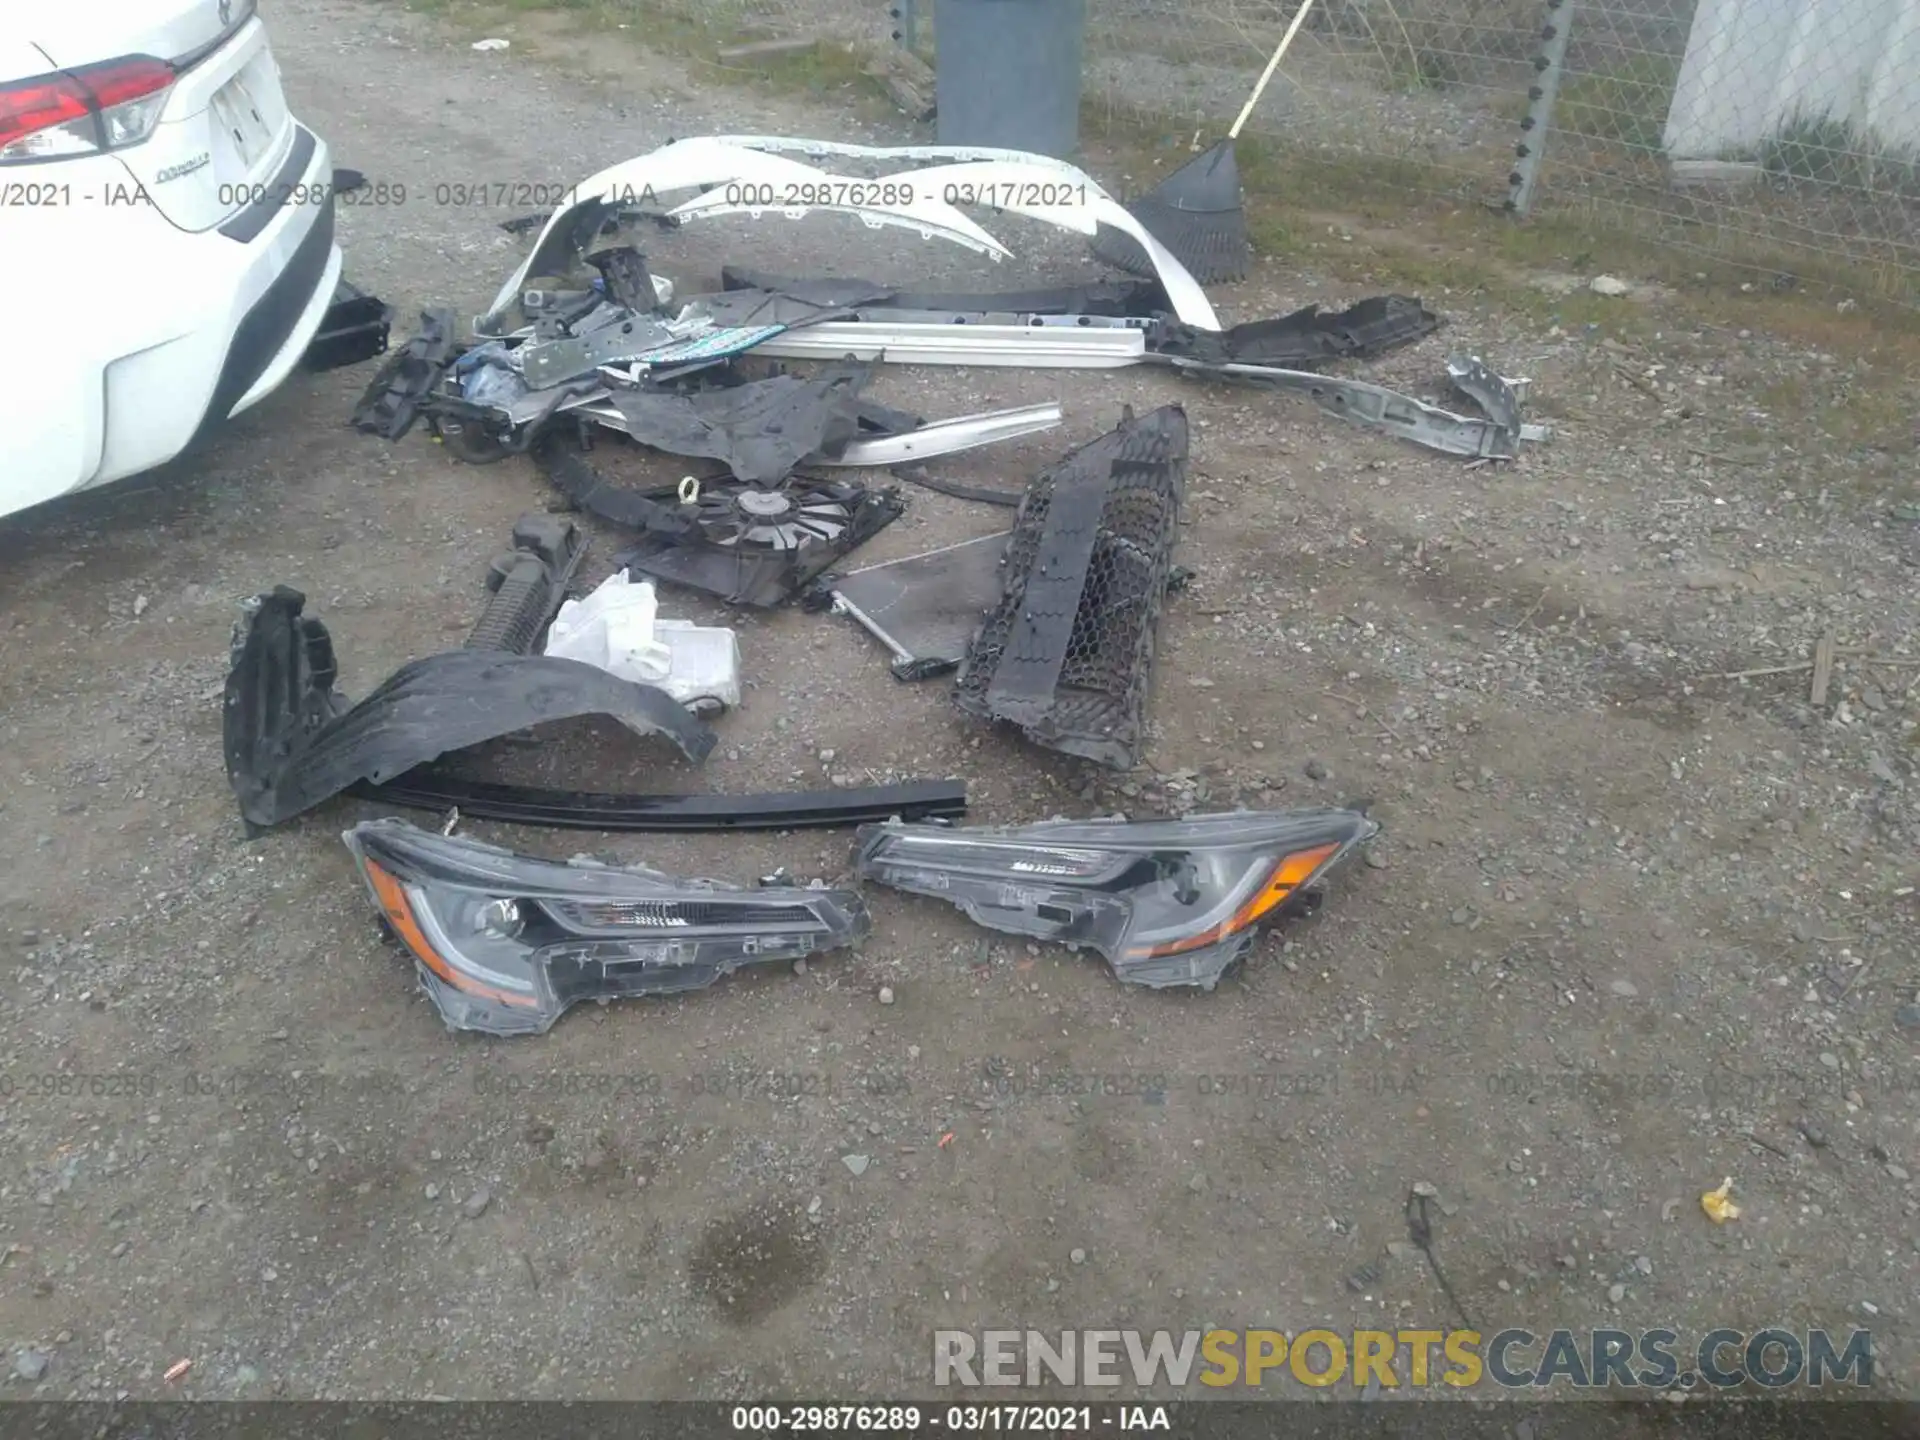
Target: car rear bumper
{"points": [[218, 321], [270, 337]]}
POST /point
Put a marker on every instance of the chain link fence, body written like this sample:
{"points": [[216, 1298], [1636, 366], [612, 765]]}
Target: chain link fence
{"points": [[1783, 135]]}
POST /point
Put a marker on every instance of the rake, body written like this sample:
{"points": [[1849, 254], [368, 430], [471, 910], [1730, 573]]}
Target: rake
{"points": [[1195, 212]]}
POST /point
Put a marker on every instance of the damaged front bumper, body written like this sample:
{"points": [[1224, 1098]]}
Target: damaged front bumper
{"points": [[1167, 902], [505, 943]]}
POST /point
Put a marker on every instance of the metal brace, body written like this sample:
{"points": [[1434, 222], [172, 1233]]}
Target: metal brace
{"points": [[1379, 408]]}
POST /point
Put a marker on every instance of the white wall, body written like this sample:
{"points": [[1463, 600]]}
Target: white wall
{"points": [[1751, 64]]}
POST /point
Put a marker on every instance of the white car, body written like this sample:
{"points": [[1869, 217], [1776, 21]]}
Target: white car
{"points": [[166, 233]]}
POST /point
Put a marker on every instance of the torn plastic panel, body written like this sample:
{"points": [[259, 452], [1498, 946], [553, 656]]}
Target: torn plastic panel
{"points": [[1309, 336], [434, 788], [760, 430], [732, 171], [1067, 653], [506, 944], [292, 740], [925, 608], [392, 399], [527, 584], [1167, 902]]}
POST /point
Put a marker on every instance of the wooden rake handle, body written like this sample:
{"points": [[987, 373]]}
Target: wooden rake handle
{"points": [[1272, 65]]}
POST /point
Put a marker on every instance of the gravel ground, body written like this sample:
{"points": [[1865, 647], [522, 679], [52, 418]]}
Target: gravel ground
{"points": [[1630, 930]]}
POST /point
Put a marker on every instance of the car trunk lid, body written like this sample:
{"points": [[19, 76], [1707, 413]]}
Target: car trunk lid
{"points": [[225, 128]]}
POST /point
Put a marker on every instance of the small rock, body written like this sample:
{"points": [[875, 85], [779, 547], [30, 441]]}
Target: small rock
{"points": [[1643, 1263], [1830, 1060], [477, 1203], [1077, 1255], [800, 966], [1316, 770], [433, 1192], [1609, 285], [813, 1206], [246, 1375], [856, 1163], [1812, 1134], [1907, 1017], [1616, 1292], [1623, 988], [1898, 1172], [886, 995], [1400, 1249], [139, 606], [826, 756], [119, 1249], [1426, 1189], [30, 1365], [1375, 860]]}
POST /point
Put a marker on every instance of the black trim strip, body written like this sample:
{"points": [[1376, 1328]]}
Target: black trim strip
{"points": [[265, 328], [429, 789], [246, 225]]}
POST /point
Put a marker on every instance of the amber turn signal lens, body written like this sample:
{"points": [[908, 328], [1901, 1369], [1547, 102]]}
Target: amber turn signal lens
{"points": [[398, 911], [1289, 875]]}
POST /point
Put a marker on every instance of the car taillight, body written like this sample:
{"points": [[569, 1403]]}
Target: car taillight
{"points": [[82, 111]]}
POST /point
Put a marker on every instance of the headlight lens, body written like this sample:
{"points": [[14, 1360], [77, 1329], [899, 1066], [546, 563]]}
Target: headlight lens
{"points": [[1168, 902], [506, 943]]}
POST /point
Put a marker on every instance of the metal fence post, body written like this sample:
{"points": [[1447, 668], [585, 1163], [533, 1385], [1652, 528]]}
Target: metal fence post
{"points": [[1555, 31], [906, 23]]}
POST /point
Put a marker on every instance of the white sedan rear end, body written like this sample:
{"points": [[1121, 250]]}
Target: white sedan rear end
{"points": [[166, 224]]}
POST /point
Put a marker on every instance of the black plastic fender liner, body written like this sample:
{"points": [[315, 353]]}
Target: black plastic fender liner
{"points": [[291, 741], [430, 788], [1307, 337], [392, 399]]}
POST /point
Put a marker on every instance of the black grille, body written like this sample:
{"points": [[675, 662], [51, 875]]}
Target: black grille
{"points": [[1067, 653]]}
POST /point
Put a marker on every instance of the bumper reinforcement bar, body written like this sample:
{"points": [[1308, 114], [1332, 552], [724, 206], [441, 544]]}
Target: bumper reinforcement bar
{"points": [[430, 789]]}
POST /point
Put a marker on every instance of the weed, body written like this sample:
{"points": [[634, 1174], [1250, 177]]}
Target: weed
{"points": [[1626, 104], [1824, 151]]}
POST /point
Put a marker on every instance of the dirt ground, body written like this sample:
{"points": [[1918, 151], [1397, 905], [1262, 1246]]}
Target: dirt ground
{"points": [[1630, 929]]}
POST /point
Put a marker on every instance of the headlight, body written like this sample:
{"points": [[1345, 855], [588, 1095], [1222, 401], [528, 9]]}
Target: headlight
{"points": [[1168, 902], [506, 942]]}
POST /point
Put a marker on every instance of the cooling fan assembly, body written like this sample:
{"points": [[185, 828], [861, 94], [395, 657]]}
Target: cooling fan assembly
{"points": [[761, 545], [788, 519]]}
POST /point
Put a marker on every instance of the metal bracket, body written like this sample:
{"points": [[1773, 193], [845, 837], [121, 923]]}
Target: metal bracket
{"points": [[1379, 408]]}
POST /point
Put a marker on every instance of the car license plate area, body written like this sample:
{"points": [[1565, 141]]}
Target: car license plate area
{"points": [[243, 121]]}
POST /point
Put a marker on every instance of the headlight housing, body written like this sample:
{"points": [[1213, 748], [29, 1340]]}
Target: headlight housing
{"points": [[506, 943], [1168, 902]]}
